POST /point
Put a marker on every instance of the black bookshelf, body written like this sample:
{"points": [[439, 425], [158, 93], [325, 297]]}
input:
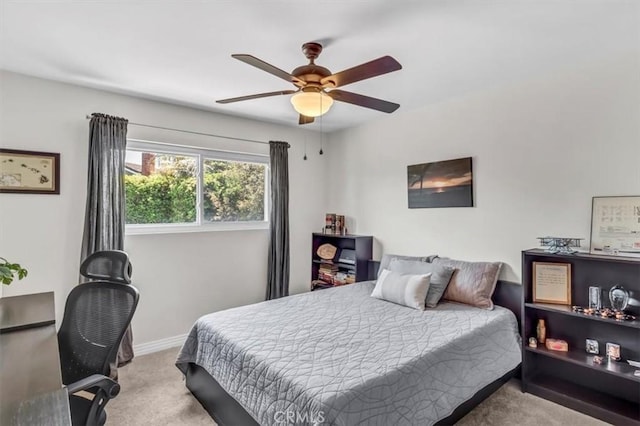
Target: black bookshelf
{"points": [[361, 244], [609, 391]]}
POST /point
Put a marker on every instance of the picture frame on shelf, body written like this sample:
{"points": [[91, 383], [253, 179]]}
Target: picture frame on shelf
{"points": [[29, 172], [552, 283], [615, 226], [592, 347], [613, 352]]}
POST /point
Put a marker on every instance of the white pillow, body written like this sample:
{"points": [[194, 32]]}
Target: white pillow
{"points": [[440, 276], [406, 290]]}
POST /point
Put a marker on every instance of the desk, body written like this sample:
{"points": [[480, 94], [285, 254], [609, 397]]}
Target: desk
{"points": [[28, 311], [31, 391]]}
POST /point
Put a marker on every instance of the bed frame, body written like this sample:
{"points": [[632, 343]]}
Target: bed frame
{"points": [[226, 411]]}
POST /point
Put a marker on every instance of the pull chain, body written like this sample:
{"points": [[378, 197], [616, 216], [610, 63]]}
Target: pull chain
{"points": [[321, 132], [305, 148]]}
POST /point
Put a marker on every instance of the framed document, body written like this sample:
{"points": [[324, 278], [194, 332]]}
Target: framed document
{"points": [[552, 283], [615, 226]]}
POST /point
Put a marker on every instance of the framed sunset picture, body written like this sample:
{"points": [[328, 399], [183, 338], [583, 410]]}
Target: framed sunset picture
{"points": [[440, 184]]}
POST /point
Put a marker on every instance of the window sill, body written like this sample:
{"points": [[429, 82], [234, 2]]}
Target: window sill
{"points": [[188, 228]]}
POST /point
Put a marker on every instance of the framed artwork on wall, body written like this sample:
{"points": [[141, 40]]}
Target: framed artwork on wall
{"points": [[615, 226], [29, 172], [440, 184]]}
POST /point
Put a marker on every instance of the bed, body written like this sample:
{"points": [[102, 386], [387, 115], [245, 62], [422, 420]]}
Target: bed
{"points": [[340, 357]]}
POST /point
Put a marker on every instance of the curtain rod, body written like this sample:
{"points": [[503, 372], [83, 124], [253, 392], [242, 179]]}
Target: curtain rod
{"points": [[88, 117]]}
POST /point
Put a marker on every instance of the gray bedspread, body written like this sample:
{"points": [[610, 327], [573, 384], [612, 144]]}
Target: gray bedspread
{"points": [[340, 357]]}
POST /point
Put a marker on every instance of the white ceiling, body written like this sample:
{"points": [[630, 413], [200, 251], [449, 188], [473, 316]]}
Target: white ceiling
{"points": [[179, 51]]}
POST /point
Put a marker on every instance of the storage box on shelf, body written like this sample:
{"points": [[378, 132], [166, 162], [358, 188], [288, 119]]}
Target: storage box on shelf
{"points": [[340, 270], [608, 391]]}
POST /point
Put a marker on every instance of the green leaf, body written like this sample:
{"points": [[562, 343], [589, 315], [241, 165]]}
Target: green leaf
{"points": [[9, 271], [5, 272]]}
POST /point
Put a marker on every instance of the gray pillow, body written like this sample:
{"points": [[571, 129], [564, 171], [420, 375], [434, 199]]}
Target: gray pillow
{"points": [[440, 276], [406, 290], [472, 283], [384, 262]]}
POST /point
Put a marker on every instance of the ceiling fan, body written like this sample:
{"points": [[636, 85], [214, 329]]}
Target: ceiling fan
{"points": [[316, 86]]}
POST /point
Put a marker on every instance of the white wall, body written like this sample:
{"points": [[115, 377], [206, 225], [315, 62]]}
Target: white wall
{"points": [[541, 149], [180, 276]]}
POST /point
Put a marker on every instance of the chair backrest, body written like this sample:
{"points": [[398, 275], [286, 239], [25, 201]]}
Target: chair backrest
{"points": [[107, 265], [96, 317]]}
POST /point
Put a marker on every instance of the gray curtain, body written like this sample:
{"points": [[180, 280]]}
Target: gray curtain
{"points": [[104, 215], [278, 280]]}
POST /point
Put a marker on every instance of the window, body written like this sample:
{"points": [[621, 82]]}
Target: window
{"points": [[171, 188], [233, 191]]}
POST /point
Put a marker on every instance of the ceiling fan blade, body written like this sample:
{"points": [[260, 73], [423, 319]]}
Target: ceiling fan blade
{"points": [[374, 68], [260, 64], [259, 95], [363, 101], [305, 120]]}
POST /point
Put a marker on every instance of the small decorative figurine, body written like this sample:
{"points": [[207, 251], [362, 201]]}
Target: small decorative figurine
{"points": [[595, 301], [533, 343], [592, 346], [598, 359], [619, 298], [561, 245], [613, 352], [541, 331]]}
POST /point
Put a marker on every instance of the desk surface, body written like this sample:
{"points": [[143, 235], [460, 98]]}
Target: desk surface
{"points": [[30, 310], [30, 381]]}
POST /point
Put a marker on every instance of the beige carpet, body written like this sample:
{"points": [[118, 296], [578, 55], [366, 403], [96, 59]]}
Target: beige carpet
{"points": [[153, 393]]}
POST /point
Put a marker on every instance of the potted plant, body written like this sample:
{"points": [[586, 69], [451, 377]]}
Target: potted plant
{"points": [[9, 271]]}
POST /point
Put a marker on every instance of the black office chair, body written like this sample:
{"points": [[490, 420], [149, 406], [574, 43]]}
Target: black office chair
{"points": [[109, 265], [96, 316]]}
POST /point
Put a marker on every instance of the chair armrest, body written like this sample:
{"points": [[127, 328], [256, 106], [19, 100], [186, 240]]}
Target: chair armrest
{"points": [[109, 386]]}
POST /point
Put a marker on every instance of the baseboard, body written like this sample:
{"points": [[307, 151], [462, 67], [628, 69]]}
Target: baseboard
{"points": [[159, 345]]}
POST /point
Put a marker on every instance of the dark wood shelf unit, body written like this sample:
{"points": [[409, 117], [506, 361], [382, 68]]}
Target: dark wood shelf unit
{"points": [[609, 391], [568, 311], [619, 368], [362, 244], [589, 401], [624, 260]]}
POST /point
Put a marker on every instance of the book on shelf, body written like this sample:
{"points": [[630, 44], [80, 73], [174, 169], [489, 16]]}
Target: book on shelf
{"points": [[340, 278], [336, 277], [328, 267], [326, 277], [320, 284], [351, 277], [330, 223]]}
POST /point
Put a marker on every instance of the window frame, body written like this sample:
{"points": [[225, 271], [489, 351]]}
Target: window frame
{"points": [[201, 155]]}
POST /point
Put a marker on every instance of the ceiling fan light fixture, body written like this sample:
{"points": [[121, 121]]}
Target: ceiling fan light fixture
{"points": [[311, 103], [310, 97]]}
